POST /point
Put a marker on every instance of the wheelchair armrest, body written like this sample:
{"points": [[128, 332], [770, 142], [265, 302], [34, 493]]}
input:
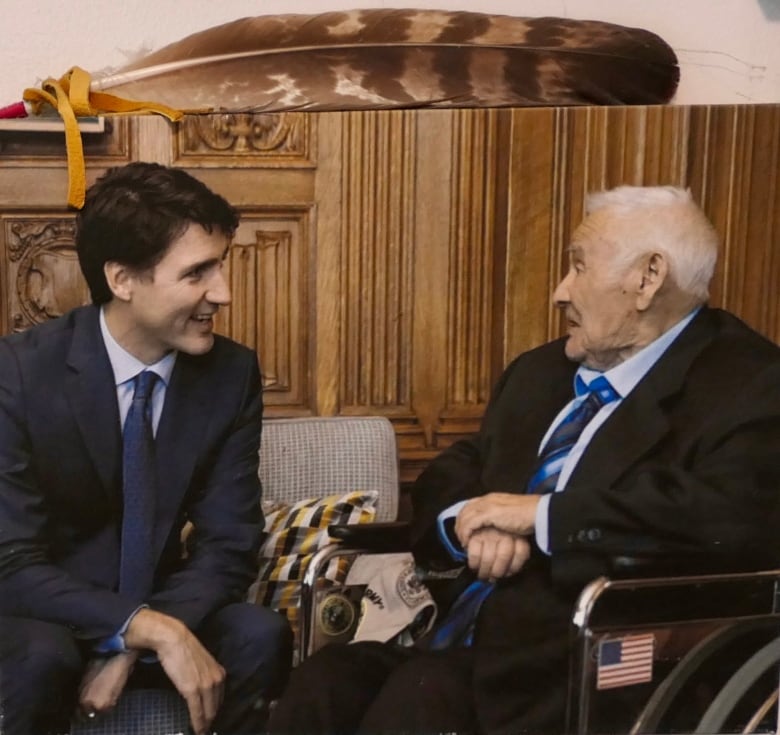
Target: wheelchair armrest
{"points": [[388, 537], [646, 592], [678, 565]]}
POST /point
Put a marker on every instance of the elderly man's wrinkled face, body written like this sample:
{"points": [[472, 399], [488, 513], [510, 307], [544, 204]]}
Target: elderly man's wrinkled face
{"points": [[598, 296]]}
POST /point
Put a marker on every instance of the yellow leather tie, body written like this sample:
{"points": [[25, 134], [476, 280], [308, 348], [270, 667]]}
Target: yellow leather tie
{"points": [[71, 97]]}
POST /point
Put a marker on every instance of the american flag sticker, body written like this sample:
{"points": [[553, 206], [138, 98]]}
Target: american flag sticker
{"points": [[625, 661]]}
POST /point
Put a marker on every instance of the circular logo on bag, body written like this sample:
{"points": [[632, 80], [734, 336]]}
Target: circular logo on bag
{"points": [[409, 587], [336, 614]]}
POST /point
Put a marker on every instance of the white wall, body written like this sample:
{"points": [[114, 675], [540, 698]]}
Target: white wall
{"points": [[729, 50]]}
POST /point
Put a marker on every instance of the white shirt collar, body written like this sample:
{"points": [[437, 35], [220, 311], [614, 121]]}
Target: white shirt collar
{"points": [[127, 366]]}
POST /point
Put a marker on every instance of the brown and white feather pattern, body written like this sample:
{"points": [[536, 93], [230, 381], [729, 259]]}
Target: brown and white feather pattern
{"points": [[363, 59]]}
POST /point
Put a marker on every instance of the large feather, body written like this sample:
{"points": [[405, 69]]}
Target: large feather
{"points": [[402, 58]]}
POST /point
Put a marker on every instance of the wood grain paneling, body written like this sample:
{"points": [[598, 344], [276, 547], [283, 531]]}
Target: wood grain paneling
{"points": [[375, 261], [392, 262], [470, 273], [268, 272], [112, 146], [733, 171]]}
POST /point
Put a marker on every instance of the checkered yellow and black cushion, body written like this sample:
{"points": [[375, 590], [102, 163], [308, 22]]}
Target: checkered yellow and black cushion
{"points": [[295, 533]]}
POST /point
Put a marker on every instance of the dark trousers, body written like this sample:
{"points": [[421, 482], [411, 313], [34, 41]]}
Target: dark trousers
{"points": [[375, 688], [41, 666], [512, 681]]}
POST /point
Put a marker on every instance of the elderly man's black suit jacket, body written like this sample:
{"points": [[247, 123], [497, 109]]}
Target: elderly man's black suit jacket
{"points": [[688, 463], [60, 479]]}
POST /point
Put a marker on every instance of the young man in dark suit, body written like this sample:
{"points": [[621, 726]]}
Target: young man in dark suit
{"points": [[651, 429], [95, 590]]}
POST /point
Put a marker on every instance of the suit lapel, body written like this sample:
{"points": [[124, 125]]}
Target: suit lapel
{"points": [[632, 430], [640, 421], [535, 416], [183, 427], [92, 395]]}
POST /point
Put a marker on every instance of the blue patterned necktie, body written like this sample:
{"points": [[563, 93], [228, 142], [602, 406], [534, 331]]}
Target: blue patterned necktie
{"points": [[136, 568], [565, 436], [457, 628]]}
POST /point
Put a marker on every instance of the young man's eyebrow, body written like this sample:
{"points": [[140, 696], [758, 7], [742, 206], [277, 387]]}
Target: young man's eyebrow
{"points": [[200, 265]]}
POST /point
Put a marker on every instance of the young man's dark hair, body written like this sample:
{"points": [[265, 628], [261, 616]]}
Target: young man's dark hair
{"points": [[132, 213]]}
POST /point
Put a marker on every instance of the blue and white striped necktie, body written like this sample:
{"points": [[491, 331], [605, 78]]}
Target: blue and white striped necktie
{"points": [[566, 434]]}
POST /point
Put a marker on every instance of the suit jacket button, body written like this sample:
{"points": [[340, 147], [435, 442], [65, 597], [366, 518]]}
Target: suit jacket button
{"points": [[582, 535], [594, 534]]}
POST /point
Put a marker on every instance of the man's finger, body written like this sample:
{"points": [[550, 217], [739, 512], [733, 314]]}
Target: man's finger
{"points": [[503, 557], [469, 520], [202, 711], [522, 553], [474, 553], [212, 699], [487, 560], [479, 557]]}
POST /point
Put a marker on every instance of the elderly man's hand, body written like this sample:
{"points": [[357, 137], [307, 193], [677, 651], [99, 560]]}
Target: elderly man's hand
{"points": [[494, 554], [515, 514]]}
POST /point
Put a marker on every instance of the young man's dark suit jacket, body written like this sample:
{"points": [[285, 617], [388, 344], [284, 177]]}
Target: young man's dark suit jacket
{"points": [[688, 463], [60, 479]]}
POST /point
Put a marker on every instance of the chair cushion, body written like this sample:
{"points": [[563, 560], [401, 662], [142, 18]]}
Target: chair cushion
{"points": [[140, 712], [295, 533]]}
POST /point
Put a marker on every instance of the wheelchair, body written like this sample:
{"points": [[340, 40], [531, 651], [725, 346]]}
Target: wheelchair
{"points": [[655, 647]]}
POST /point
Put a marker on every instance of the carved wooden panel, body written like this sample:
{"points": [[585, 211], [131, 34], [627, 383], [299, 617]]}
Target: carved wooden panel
{"points": [[268, 272], [392, 262], [246, 139], [40, 271]]}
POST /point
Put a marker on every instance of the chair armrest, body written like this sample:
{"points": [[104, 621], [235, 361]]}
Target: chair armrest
{"points": [[659, 599], [678, 565], [387, 537]]}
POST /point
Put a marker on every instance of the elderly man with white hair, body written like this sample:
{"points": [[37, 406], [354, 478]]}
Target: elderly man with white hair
{"points": [[651, 429]]}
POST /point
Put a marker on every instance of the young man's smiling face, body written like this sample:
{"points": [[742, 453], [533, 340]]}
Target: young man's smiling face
{"points": [[172, 307]]}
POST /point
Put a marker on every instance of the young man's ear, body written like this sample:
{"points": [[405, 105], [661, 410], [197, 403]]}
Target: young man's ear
{"points": [[119, 280], [655, 268]]}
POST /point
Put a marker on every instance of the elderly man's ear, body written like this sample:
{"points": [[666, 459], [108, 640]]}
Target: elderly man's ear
{"points": [[651, 274]]}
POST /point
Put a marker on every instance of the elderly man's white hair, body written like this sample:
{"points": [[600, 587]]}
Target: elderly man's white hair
{"points": [[669, 222], [637, 197]]}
